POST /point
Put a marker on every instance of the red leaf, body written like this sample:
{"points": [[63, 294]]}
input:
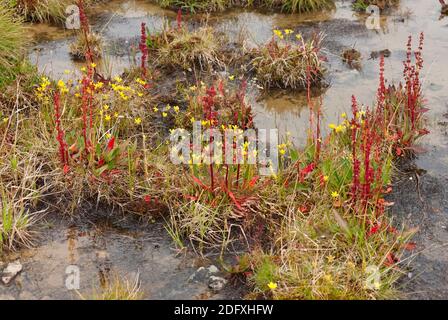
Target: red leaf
{"points": [[410, 246], [253, 181], [111, 144], [199, 182], [390, 259], [66, 168], [373, 230], [232, 196]]}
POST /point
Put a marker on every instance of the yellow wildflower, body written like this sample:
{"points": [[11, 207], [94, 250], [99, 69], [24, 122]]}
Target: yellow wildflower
{"points": [[272, 285], [340, 128], [138, 120], [335, 194], [140, 81], [107, 117], [278, 33]]}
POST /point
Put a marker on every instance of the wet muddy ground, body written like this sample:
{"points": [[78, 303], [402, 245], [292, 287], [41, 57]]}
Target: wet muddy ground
{"points": [[130, 247], [104, 245]]}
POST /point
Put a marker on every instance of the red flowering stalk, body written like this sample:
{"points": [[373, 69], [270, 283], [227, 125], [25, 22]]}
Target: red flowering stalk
{"points": [[85, 27], [241, 96], [310, 105], [179, 19], [63, 151], [208, 103], [368, 137], [143, 49], [87, 105], [318, 137], [246, 117], [356, 163], [379, 171], [381, 97]]}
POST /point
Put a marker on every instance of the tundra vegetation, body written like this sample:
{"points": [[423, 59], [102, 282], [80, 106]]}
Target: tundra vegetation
{"points": [[290, 6], [313, 229]]}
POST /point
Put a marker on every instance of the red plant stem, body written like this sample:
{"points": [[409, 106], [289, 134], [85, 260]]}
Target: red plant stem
{"points": [[308, 96], [241, 96], [87, 106], [381, 97], [354, 128], [86, 31], [318, 137], [179, 19], [143, 48], [63, 152], [208, 102], [368, 171]]}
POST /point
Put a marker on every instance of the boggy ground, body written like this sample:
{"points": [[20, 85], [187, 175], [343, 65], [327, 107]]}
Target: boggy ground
{"points": [[105, 244]]}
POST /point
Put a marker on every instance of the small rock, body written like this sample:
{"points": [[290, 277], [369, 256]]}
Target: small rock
{"points": [[6, 297], [11, 271], [216, 283], [213, 269], [102, 255], [199, 276]]}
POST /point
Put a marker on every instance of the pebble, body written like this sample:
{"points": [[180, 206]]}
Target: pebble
{"points": [[11, 271], [216, 283], [200, 275], [213, 269]]}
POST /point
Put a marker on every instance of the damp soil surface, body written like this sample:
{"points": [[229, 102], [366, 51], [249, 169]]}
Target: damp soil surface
{"points": [[130, 247], [105, 245]]}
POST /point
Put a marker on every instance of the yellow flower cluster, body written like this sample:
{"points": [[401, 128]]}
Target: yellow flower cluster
{"points": [[281, 34], [340, 128], [278, 33], [282, 148], [40, 91], [140, 81], [62, 87]]}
